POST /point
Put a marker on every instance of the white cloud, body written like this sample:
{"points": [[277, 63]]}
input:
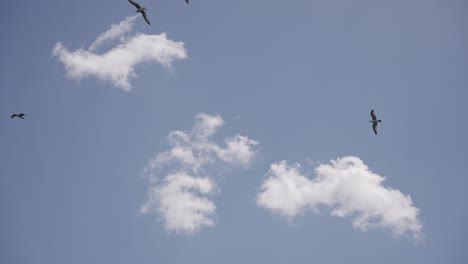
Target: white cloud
{"points": [[348, 188], [117, 64], [206, 126], [182, 202], [116, 31], [181, 198], [238, 151], [195, 149]]}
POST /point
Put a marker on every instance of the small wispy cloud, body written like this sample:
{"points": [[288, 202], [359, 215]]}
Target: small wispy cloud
{"points": [[117, 64], [348, 188], [116, 31], [182, 195]]}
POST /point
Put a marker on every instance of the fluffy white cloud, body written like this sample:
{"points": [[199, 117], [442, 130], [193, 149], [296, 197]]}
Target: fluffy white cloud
{"points": [[182, 197], [181, 201], [348, 188], [238, 151], [117, 64], [195, 148]]}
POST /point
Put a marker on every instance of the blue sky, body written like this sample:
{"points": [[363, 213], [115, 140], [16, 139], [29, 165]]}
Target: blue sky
{"points": [[234, 132]]}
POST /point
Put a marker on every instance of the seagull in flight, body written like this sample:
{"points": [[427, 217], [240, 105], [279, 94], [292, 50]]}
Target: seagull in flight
{"points": [[374, 121], [141, 10], [22, 115]]}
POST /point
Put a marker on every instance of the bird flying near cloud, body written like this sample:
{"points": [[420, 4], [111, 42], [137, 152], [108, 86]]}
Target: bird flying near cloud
{"points": [[141, 10], [374, 121]]}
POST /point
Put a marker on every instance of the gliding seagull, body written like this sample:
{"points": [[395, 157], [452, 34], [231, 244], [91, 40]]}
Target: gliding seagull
{"points": [[141, 10], [374, 121], [22, 115]]}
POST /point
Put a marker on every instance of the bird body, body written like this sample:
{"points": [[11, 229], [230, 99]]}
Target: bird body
{"points": [[140, 9], [374, 121], [21, 115]]}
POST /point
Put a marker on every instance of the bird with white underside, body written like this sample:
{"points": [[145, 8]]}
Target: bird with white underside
{"points": [[140, 9]]}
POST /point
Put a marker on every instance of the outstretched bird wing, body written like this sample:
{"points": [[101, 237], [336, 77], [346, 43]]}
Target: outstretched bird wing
{"points": [[186, 1], [21, 115], [144, 16], [135, 4], [374, 126], [373, 115]]}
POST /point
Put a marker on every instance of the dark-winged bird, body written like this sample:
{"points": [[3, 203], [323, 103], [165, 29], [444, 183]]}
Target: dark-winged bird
{"points": [[374, 121], [22, 115], [141, 10], [186, 1]]}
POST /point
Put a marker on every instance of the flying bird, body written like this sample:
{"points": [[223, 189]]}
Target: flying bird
{"points": [[374, 121], [141, 10], [22, 115]]}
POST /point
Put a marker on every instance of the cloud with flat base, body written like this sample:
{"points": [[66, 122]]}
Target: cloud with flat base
{"points": [[347, 188], [117, 65]]}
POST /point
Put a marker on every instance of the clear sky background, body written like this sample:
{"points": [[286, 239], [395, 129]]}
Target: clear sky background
{"points": [[298, 78]]}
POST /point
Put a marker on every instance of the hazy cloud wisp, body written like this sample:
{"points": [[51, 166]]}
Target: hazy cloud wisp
{"points": [[116, 31]]}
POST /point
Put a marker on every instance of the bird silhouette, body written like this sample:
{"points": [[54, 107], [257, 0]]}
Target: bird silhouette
{"points": [[21, 115], [374, 121], [141, 10]]}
